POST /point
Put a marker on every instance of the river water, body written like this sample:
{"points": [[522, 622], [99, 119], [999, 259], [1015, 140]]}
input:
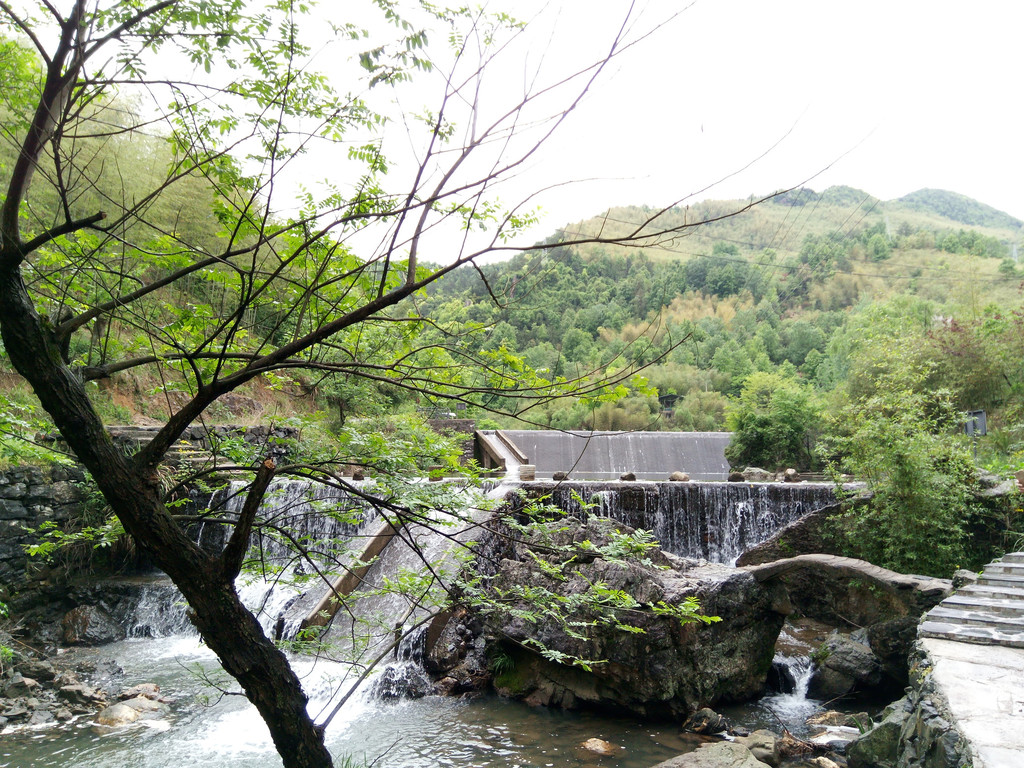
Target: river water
{"points": [[205, 727], [215, 731]]}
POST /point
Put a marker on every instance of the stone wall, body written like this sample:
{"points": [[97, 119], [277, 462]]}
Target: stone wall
{"points": [[30, 496], [462, 429], [270, 440]]}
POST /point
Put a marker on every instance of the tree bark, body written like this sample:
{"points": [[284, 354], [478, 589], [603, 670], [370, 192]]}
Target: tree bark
{"points": [[133, 493]]}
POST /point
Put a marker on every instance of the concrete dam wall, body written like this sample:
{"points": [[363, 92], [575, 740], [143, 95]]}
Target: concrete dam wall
{"points": [[606, 455]]}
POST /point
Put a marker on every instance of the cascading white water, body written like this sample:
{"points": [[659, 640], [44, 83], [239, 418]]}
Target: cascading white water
{"points": [[425, 553], [321, 519], [790, 707], [315, 515], [712, 521], [153, 608]]}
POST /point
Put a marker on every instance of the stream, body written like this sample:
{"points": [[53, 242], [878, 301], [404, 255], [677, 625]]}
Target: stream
{"points": [[205, 728]]}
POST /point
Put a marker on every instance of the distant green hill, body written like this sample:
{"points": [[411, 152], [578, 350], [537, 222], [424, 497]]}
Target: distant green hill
{"points": [[783, 222], [957, 208]]}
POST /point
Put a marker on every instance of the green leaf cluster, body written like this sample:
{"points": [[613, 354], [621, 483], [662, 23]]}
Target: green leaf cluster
{"points": [[559, 594]]}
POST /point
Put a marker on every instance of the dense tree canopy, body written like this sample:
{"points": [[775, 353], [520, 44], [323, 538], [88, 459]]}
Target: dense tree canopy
{"points": [[774, 422]]}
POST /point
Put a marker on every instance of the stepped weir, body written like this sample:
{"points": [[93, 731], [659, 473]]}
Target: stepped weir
{"points": [[709, 521], [350, 548]]}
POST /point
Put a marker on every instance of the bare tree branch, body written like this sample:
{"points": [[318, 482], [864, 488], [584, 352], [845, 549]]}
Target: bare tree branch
{"points": [[234, 551]]}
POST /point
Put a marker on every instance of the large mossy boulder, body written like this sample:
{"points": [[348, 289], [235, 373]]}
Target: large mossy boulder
{"points": [[880, 746], [666, 670], [844, 665]]}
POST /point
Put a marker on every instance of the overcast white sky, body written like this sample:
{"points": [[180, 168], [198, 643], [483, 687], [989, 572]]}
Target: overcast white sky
{"points": [[885, 95]]}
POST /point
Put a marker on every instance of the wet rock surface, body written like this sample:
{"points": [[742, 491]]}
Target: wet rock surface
{"points": [[917, 730], [763, 745], [456, 654], [90, 625], [843, 666], [808, 535], [598, 747], [706, 721], [39, 691]]}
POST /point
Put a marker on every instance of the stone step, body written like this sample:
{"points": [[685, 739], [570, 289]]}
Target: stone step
{"points": [[945, 615], [187, 450], [993, 591], [173, 455], [1001, 579], [979, 635], [140, 434], [1001, 567], [985, 604], [1012, 557]]}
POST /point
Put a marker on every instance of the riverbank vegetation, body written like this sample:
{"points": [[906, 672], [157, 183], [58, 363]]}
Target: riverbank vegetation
{"points": [[162, 257]]}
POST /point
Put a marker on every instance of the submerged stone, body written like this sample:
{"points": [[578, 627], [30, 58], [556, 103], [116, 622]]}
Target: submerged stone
{"points": [[724, 754], [706, 721], [599, 747], [763, 745]]}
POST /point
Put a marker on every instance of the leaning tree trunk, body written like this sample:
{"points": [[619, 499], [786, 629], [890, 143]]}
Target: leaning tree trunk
{"points": [[132, 491]]}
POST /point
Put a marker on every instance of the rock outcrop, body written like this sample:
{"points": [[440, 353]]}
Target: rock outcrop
{"points": [[669, 670], [884, 605], [723, 754], [41, 692], [805, 536], [844, 665], [845, 591], [90, 625]]}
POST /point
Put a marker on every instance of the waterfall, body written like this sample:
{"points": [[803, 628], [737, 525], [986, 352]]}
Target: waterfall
{"points": [[324, 520], [711, 521], [420, 550], [320, 517], [790, 676], [149, 606]]}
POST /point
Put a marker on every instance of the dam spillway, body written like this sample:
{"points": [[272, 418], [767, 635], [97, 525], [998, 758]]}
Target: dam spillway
{"points": [[713, 521], [606, 455]]}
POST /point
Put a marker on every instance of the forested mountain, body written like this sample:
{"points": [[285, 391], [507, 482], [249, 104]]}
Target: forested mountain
{"points": [[784, 287], [782, 222]]}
